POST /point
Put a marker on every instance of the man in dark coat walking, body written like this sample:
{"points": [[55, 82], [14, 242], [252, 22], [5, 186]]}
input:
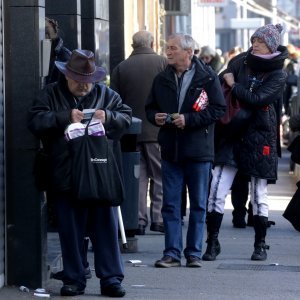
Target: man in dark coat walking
{"points": [[132, 79]]}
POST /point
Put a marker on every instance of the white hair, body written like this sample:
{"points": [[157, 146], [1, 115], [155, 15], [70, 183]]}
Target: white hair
{"points": [[185, 40], [142, 38]]}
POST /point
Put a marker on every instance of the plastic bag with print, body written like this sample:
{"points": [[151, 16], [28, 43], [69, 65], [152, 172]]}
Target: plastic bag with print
{"points": [[201, 102]]}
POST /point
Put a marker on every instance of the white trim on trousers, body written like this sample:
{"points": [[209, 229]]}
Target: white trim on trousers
{"points": [[222, 179]]}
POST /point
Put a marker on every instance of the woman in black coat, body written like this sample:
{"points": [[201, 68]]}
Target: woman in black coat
{"points": [[256, 79]]}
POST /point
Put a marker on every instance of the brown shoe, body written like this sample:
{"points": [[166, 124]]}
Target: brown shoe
{"points": [[193, 262], [159, 227], [140, 230], [167, 262]]}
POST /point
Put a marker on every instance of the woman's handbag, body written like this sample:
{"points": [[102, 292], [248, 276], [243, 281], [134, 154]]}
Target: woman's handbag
{"points": [[236, 116], [232, 105], [96, 178], [294, 148], [292, 211]]}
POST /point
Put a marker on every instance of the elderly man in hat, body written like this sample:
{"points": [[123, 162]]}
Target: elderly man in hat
{"points": [[58, 105]]}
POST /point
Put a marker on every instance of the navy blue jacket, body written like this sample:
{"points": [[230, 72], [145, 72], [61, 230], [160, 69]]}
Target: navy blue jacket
{"points": [[196, 141]]}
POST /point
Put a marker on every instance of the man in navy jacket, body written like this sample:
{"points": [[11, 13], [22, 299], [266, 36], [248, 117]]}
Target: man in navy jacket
{"points": [[185, 101]]}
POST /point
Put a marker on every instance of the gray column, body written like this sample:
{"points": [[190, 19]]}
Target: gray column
{"points": [[116, 32], [25, 206], [68, 15], [95, 30]]}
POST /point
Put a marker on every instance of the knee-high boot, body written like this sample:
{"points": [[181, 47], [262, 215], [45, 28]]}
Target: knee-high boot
{"points": [[260, 224], [250, 215], [213, 220]]}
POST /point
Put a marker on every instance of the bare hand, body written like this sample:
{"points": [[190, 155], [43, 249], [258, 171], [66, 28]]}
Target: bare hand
{"points": [[160, 118], [100, 114], [179, 120], [228, 77], [76, 116]]}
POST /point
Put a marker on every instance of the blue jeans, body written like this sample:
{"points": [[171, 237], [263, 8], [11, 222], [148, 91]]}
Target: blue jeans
{"points": [[197, 177]]}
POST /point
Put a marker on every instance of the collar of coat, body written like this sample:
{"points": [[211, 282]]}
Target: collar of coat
{"points": [[142, 50], [203, 72], [259, 64]]}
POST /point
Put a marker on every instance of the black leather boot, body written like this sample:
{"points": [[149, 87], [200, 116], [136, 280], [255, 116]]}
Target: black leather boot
{"points": [[238, 218], [239, 197], [213, 220], [250, 215], [260, 227]]}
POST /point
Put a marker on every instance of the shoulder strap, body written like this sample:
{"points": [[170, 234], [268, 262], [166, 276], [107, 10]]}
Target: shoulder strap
{"points": [[102, 96], [99, 104]]}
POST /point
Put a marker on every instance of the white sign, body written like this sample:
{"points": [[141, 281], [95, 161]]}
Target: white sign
{"points": [[216, 3], [203, 25], [250, 23]]}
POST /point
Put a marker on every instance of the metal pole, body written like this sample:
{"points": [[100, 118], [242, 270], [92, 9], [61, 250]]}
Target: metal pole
{"points": [[274, 11], [238, 41], [245, 31], [121, 227]]}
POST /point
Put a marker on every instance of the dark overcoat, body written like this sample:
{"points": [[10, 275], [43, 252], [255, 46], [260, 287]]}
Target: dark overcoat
{"points": [[196, 141], [132, 79], [50, 115], [259, 87]]}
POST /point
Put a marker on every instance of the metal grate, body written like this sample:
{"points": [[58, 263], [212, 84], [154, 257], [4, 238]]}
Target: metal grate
{"points": [[271, 267]]}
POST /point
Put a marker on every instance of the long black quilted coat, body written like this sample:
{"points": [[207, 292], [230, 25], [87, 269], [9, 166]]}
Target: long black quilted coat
{"points": [[259, 86]]}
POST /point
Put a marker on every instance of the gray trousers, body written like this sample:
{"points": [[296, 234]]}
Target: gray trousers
{"points": [[150, 177]]}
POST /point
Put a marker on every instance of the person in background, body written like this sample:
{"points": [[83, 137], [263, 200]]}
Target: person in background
{"points": [[58, 105], [256, 79], [292, 69], [211, 58], [58, 51], [185, 102], [240, 185], [239, 189], [239, 198], [184, 196], [233, 52], [197, 49], [295, 122], [132, 79]]}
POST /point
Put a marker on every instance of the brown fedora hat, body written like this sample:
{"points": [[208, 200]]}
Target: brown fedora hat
{"points": [[81, 67]]}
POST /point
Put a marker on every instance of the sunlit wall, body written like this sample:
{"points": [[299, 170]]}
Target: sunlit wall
{"points": [[142, 15]]}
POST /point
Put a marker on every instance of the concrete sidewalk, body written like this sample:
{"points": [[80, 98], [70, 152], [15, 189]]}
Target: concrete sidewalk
{"points": [[232, 276]]}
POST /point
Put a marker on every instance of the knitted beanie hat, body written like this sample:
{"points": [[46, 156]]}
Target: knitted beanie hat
{"points": [[270, 34]]}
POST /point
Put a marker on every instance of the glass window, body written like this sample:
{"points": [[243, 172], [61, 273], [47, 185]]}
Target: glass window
{"points": [[171, 5]]}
